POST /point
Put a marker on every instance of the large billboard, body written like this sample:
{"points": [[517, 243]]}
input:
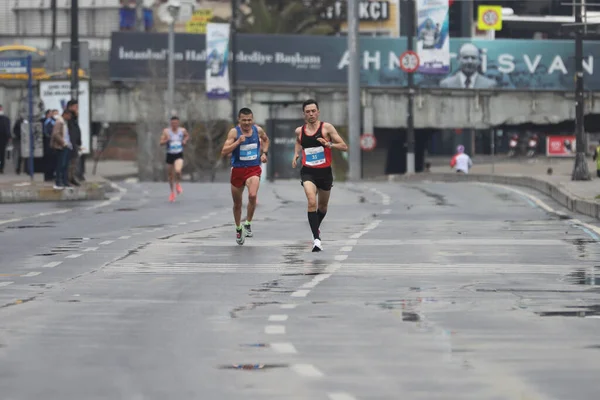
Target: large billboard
{"points": [[300, 60]]}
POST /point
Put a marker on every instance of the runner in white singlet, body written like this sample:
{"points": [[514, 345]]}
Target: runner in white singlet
{"points": [[174, 138]]}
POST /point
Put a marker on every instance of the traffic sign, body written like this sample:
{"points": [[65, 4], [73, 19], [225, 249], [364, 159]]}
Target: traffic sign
{"points": [[13, 65], [367, 141], [409, 61]]}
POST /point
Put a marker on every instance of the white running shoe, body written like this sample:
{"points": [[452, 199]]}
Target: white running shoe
{"points": [[240, 236], [317, 246]]}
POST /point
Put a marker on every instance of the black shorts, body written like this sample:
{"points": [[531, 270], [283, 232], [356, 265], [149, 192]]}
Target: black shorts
{"points": [[172, 157], [321, 177]]}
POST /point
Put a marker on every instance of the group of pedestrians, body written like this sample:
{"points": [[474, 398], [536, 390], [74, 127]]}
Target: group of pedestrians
{"points": [[248, 145], [61, 141]]}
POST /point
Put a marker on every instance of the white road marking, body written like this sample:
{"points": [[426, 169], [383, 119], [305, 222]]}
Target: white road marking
{"points": [[8, 221], [31, 274], [316, 280], [2, 284], [44, 214], [278, 317], [332, 268], [386, 211], [106, 242], [288, 306], [346, 248], [307, 370], [275, 329], [182, 223], [195, 221], [284, 348], [52, 264], [205, 217], [124, 237], [356, 235], [138, 233], [74, 256], [341, 257], [300, 293], [340, 396], [90, 249], [108, 202]]}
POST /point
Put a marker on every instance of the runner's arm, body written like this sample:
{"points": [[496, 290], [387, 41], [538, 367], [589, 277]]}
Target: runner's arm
{"points": [[186, 136], [297, 145], [264, 139], [336, 140], [231, 143], [164, 138]]}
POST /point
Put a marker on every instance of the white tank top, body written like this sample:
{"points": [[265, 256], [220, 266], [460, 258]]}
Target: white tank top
{"points": [[175, 143]]}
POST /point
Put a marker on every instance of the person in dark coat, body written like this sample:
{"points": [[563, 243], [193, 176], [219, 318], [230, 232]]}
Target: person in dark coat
{"points": [[5, 137]]}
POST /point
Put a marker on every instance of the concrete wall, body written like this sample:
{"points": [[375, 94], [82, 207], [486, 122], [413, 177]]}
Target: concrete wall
{"points": [[384, 109]]}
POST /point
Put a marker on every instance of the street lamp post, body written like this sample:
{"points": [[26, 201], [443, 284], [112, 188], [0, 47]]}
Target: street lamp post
{"points": [[173, 9]]}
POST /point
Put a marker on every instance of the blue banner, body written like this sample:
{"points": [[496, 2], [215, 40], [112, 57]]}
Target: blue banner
{"points": [[13, 65], [217, 71], [301, 61], [433, 38]]}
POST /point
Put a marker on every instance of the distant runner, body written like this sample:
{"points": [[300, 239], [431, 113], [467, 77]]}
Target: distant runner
{"points": [[175, 138], [461, 162], [316, 139], [248, 145]]}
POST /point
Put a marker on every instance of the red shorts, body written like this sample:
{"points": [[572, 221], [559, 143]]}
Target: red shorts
{"points": [[240, 175]]}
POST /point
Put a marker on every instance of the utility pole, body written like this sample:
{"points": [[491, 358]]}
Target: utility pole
{"points": [[174, 12], [53, 11], [233, 46], [354, 156], [580, 169], [139, 16], [74, 49], [410, 122]]}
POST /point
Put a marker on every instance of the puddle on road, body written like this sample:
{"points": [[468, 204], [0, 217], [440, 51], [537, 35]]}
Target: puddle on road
{"points": [[440, 200], [31, 226], [252, 367], [234, 313], [584, 277], [582, 311]]}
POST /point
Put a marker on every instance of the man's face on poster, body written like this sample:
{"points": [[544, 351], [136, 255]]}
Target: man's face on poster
{"points": [[468, 59]]}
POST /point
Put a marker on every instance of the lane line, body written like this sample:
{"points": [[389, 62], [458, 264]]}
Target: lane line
{"points": [[278, 317], [90, 249], [284, 348], [31, 274], [288, 306], [353, 242], [385, 212], [124, 237], [52, 264], [3, 284], [122, 192], [346, 248], [300, 293], [106, 242], [275, 329], [341, 257], [307, 370], [340, 396], [74, 256]]}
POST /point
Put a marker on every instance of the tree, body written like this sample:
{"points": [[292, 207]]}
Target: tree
{"points": [[287, 17]]}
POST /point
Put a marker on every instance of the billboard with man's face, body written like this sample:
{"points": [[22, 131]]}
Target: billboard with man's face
{"points": [[303, 60]]}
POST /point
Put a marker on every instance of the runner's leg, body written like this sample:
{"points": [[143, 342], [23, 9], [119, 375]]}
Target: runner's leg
{"points": [[322, 203], [170, 175], [236, 194], [178, 165], [311, 196], [253, 184]]}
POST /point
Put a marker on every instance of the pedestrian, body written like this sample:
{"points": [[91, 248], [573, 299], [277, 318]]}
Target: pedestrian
{"points": [[175, 138], [49, 159], [248, 145], [461, 162], [75, 135], [5, 137], [16, 141], [597, 159], [60, 141], [315, 139]]}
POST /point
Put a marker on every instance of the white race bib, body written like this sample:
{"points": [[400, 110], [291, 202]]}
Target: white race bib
{"points": [[314, 156], [248, 152]]}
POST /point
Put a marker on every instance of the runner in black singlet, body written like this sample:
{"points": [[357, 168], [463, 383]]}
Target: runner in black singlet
{"points": [[315, 139]]}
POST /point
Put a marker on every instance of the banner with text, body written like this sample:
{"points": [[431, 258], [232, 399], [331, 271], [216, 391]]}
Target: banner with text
{"points": [[433, 36], [301, 61], [217, 65]]}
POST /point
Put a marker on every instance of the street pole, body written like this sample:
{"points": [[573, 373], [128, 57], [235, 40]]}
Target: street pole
{"points": [[410, 123], [53, 11], [171, 69], [580, 169], [139, 16], [354, 159], [233, 39], [74, 49]]}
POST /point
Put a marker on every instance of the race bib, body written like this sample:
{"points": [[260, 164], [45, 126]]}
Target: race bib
{"points": [[248, 152], [314, 156], [175, 147]]}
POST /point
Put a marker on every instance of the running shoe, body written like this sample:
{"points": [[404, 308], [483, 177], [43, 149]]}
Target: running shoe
{"points": [[179, 189], [240, 237], [317, 246], [248, 230], [172, 197]]}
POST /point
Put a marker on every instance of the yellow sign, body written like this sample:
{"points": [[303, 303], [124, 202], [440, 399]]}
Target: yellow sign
{"points": [[489, 18], [197, 24]]}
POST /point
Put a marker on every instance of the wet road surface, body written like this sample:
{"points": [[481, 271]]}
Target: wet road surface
{"points": [[424, 291]]}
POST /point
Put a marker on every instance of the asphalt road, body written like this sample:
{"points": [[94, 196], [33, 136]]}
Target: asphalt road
{"points": [[424, 291]]}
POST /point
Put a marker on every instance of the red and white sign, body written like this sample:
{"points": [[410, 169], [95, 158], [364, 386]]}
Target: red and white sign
{"points": [[560, 146], [409, 61], [367, 141]]}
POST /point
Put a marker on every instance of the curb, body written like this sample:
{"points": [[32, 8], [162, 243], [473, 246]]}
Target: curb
{"points": [[46, 193], [560, 195]]}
